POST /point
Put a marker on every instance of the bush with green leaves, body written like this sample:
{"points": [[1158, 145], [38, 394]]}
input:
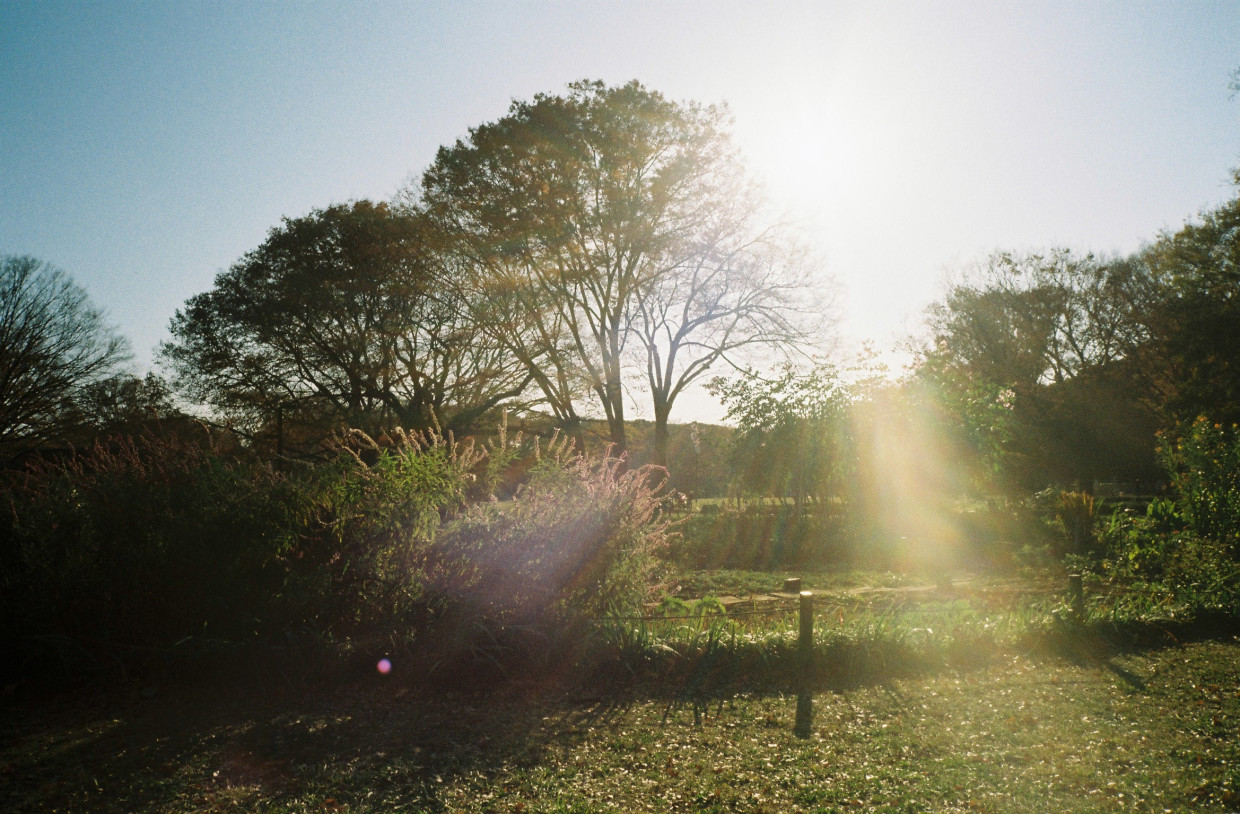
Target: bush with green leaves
{"points": [[790, 439], [1204, 465], [373, 510]]}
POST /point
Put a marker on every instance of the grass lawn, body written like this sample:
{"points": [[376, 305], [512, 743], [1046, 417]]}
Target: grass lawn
{"points": [[1152, 730]]}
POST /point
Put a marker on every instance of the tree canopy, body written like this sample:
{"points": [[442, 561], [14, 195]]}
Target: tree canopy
{"points": [[337, 316], [1194, 326], [605, 228], [1036, 359], [1094, 355], [790, 431]]}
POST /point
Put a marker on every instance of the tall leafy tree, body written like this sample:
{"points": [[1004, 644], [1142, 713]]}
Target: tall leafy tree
{"points": [[1053, 341], [605, 225], [338, 315], [54, 345], [1029, 319], [1194, 327]]}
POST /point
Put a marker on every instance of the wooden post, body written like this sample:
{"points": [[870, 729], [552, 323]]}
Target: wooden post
{"points": [[806, 639], [1076, 596], [805, 643]]}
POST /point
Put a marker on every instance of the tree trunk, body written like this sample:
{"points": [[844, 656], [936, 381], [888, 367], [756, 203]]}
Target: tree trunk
{"points": [[615, 419], [619, 442], [661, 414]]}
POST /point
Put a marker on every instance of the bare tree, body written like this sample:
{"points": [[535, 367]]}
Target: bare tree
{"points": [[53, 345], [736, 295]]}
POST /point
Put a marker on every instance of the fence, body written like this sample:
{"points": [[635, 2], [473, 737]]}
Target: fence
{"points": [[804, 605]]}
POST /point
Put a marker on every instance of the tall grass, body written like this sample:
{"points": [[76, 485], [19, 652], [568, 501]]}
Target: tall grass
{"points": [[147, 547]]}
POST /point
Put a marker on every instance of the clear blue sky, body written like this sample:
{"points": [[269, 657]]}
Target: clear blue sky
{"points": [[144, 147]]}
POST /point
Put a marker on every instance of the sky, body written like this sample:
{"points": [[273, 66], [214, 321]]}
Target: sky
{"points": [[146, 146]]}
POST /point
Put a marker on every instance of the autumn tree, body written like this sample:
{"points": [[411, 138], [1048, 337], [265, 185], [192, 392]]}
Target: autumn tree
{"points": [[1194, 324], [605, 228], [337, 315]]}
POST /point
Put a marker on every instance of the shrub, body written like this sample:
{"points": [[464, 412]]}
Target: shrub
{"points": [[577, 541], [372, 511], [143, 541], [1075, 510], [1204, 464], [142, 545], [1202, 570]]}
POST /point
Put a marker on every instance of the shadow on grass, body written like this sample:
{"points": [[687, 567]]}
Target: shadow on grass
{"points": [[376, 744], [385, 742], [276, 739], [1097, 643]]}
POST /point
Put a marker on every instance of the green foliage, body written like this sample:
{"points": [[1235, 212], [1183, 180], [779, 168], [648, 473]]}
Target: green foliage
{"points": [[149, 545], [762, 538], [978, 415], [581, 225], [1075, 511], [1035, 365], [1163, 515], [697, 458], [1194, 322], [1098, 354], [1204, 464], [1187, 574], [790, 438], [338, 317], [373, 510]]}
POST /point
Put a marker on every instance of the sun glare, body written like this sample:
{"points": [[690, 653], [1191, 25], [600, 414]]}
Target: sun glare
{"points": [[830, 158], [910, 482], [816, 156]]}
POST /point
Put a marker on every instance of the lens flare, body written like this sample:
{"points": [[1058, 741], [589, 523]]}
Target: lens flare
{"points": [[909, 484], [385, 666]]}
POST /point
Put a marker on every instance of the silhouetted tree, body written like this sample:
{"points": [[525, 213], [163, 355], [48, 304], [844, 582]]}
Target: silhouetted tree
{"points": [[54, 344], [1194, 326], [338, 316], [127, 405], [583, 225], [1037, 360]]}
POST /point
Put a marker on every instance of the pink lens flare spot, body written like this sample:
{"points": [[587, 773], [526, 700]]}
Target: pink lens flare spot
{"points": [[385, 666]]}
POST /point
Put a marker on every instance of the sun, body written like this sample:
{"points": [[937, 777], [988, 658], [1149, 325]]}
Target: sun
{"points": [[812, 157], [837, 157]]}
